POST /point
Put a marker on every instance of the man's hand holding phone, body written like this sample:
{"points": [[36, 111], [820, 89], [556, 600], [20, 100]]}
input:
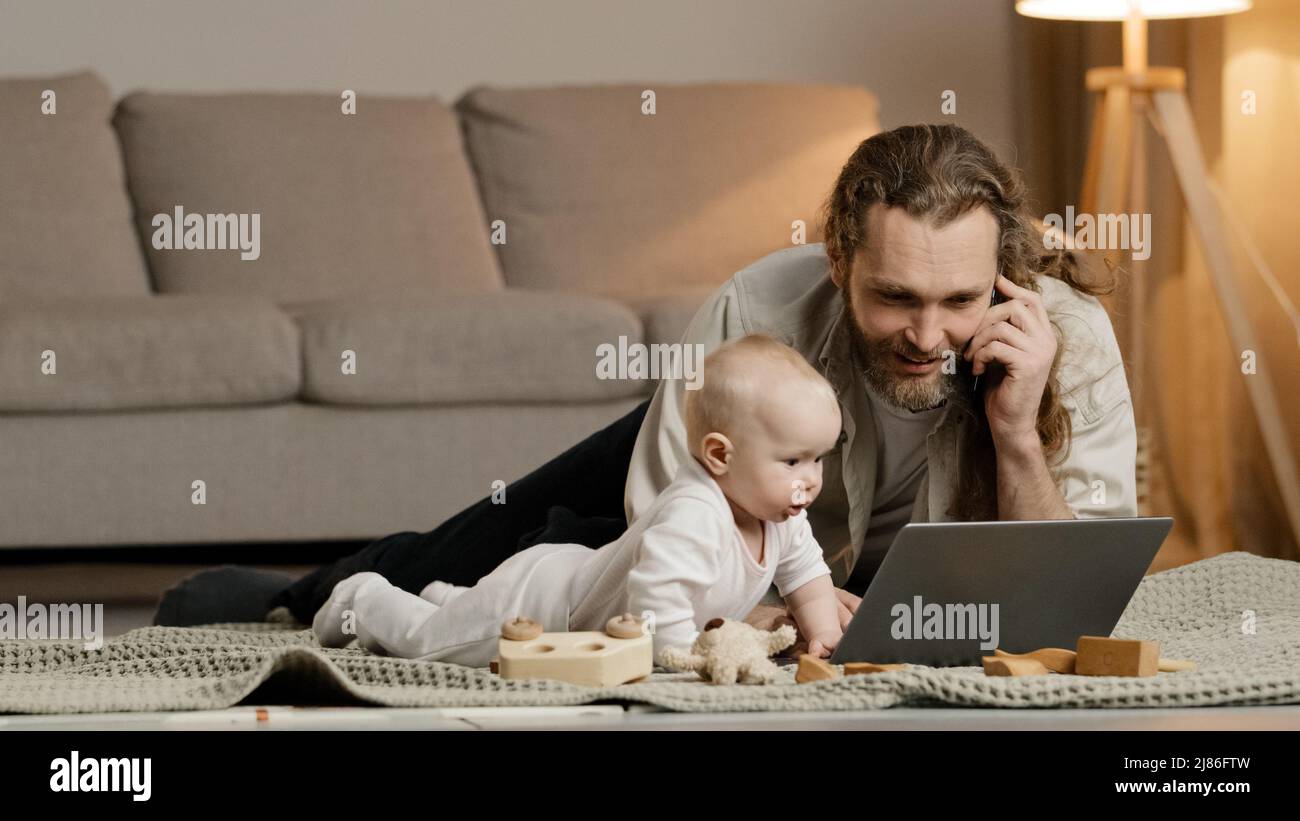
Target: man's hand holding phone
{"points": [[1017, 335]]}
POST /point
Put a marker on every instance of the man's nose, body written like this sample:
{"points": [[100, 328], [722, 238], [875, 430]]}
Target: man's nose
{"points": [[925, 334]]}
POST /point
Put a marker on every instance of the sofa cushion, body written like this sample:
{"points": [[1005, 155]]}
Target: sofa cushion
{"points": [[65, 228], [348, 204], [513, 346], [600, 198], [145, 352], [665, 318]]}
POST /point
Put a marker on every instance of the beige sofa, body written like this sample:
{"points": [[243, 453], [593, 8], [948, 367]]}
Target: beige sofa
{"points": [[130, 372]]}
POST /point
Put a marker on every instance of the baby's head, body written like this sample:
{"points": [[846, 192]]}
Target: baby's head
{"points": [[760, 424]]}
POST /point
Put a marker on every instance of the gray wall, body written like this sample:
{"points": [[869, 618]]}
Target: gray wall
{"points": [[907, 51]]}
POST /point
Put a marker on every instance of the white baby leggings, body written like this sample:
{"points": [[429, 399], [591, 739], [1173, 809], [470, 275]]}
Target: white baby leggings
{"points": [[446, 622]]}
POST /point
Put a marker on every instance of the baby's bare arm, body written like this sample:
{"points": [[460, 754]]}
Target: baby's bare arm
{"points": [[814, 609]]}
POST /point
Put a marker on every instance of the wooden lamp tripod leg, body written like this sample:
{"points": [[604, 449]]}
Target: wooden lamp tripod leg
{"points": [[1114, 183], [1175, 119]]}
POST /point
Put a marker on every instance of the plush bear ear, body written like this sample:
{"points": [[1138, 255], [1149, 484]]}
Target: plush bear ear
{"points": [[714, 624]]}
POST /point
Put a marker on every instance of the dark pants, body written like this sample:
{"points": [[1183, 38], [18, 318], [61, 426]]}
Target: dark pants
{"points": [[576, 498]]}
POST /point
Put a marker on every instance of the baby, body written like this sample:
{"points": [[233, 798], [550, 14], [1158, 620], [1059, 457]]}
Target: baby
{"points": [[732, 522]]}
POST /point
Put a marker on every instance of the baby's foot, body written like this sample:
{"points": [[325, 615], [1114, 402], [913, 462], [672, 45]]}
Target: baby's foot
{"points": [[329, 623]]}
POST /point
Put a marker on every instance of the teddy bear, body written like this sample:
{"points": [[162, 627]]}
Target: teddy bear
{"points": [[729, 651]]}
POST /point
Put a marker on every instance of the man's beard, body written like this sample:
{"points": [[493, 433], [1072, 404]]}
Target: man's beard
{"points": [[913, 393]]}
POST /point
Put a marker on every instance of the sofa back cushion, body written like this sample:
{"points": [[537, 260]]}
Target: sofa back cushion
{"points": [[65, 218], [599, 197], [379, 200]]}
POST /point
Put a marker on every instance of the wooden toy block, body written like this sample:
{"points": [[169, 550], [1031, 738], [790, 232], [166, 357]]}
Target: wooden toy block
{"points": [[1099, 656], [857, 668], [1053, 658], [1011, 666], [812, 668], [1175, 665], [591, 658]]}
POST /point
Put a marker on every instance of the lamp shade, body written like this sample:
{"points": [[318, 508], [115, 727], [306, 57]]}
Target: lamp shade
{"points": [[1120, 9]]}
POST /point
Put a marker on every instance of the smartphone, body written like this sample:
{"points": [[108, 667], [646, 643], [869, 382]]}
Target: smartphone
{"points": [[994, 300]]}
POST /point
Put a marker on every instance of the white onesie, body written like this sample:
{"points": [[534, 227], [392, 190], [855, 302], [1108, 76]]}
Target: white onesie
{"points": [[684, 560]]}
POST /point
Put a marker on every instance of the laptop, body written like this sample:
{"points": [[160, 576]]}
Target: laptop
{"points": [[949, 593]]}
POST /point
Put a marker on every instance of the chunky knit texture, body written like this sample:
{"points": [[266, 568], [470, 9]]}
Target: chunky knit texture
{"points": [[1194, 611]]}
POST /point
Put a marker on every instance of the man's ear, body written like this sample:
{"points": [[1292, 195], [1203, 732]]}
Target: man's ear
{"points": [[837, 276], [717, 452], [840, 271]]}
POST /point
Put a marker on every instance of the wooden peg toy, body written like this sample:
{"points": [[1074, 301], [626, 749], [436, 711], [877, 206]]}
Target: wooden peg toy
{"points": [[595, 659], [812, 668], [521, 629], [1100, 656], [626, 626], [1064, 661], [1055, 659], [857, 668], [1013, 666]]}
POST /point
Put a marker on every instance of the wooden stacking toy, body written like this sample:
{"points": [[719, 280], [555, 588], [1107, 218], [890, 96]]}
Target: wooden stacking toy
{"points": [[623, 652]]}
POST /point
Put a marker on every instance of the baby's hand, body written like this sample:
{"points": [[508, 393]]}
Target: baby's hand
{"points": [[823, 644]]}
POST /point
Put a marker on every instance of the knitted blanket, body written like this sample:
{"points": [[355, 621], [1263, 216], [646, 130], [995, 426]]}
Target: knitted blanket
{"points": [[1236, 615]]}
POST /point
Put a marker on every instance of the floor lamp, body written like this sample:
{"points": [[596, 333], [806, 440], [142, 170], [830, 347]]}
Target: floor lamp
{"points": [[1115, 182]]}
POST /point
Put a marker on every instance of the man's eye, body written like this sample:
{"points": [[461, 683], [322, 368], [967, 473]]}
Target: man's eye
{"points": [[962, 300]]}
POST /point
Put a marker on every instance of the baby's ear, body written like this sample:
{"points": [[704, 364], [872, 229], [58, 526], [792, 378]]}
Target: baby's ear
{"points": [[716, 449]]}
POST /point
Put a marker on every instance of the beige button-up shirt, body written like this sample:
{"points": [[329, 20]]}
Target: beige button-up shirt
{"points": [[789, 295]]}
